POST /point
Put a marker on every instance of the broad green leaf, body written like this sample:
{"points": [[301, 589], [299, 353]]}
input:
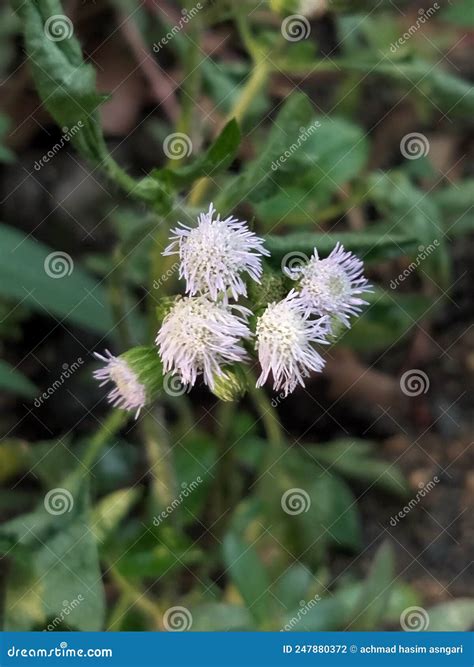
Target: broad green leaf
{"points": [[372, 244], [459, 13], [413, 211], [217, 158], [249, 576], [14, 382], [356, 460], [257, 181], [454, 616], [376, 590], [66, 84], [56, 539], [293, 586], [76, 296]]}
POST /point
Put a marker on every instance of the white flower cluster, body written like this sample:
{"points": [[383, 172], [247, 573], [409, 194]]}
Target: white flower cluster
{"points": [[203, 332]]}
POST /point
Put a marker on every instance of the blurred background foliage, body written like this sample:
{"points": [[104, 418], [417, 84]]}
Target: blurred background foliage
{"points": [[228, 552]]}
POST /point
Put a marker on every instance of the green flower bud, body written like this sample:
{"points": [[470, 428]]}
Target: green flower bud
{"points": [[231, 385]]}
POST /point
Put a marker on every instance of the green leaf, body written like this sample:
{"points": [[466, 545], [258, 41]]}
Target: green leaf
{"points": [[293, 585], [375, 243], [76, 297], [249, 575], [217, 158], [355, 459], [455, 616], [414, 212], [14, 382], [66, 84], [257, 181], [63, 555], [375, 594]]}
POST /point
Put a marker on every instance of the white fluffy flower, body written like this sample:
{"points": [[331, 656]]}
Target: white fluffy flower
{"points": [[215, 254], [331, 286], [200, 336], [128, 393], [284, 336]]}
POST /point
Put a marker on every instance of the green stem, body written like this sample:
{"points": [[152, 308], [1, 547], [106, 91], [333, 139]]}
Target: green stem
{"points": [[136, 598], [158, 451], [254, 84], [115, 420]]}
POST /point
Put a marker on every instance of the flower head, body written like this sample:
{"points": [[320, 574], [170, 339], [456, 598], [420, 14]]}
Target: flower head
{"points": [[331, 286], [201, 336], [215, 254], [128, 392], [284, 336]]}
